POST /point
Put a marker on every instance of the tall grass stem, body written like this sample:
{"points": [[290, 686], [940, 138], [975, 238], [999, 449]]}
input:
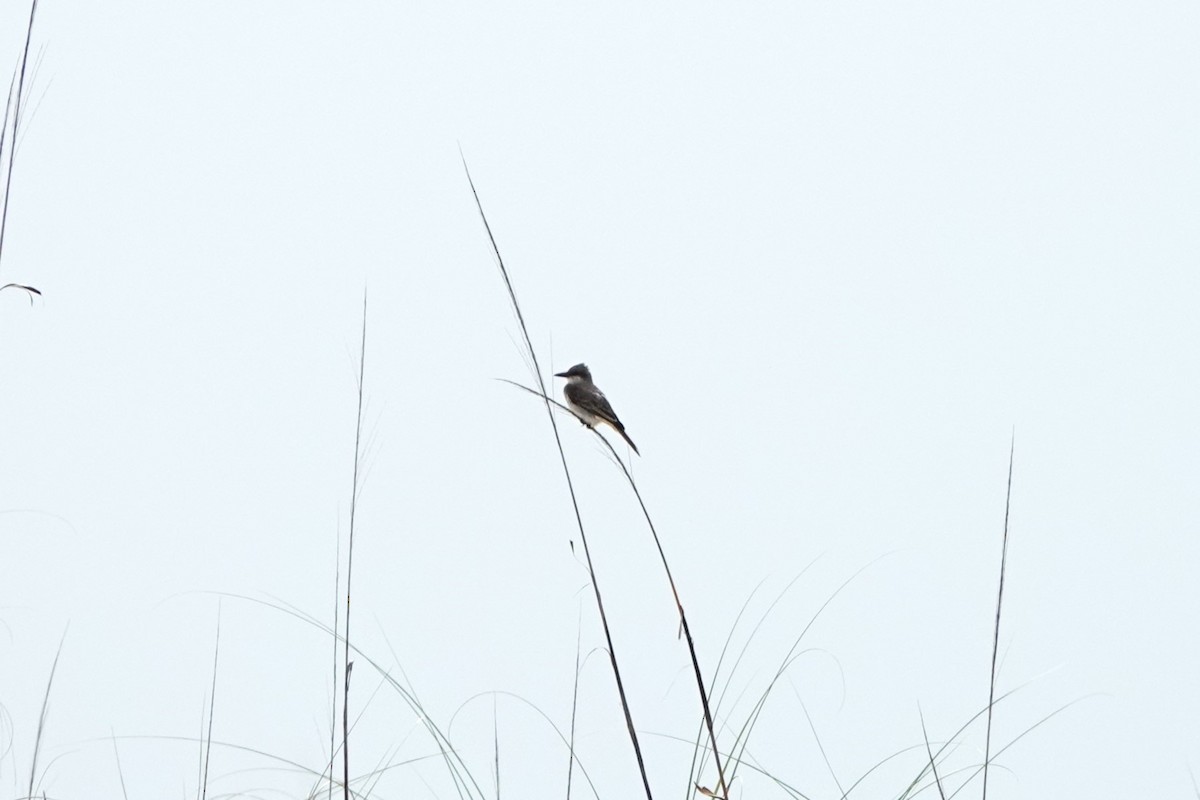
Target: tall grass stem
{"points": [[347, 664], [987, 748], [612, 651]]}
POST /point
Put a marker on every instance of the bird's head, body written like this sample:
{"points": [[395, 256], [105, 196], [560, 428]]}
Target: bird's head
{"points": [[579, 372]]}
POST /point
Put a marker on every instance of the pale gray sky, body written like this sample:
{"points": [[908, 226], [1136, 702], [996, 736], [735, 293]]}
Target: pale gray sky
{"points": [[823, 258]]}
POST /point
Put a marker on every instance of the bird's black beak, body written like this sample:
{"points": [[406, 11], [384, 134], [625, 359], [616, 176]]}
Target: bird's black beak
{"points": [[560, 374]]}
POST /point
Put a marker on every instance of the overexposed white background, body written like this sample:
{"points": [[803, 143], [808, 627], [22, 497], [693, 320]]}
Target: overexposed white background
{"points": [[824, 259]]}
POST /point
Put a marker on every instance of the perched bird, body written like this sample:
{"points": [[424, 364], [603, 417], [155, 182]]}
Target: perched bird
{"points": [[589, 403]]}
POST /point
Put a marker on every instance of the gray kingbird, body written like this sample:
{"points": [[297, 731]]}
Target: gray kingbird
{"points": [[589, 403]]}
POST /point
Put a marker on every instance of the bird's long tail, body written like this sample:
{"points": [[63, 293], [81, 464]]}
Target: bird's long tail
{"points": [[619, 428]]}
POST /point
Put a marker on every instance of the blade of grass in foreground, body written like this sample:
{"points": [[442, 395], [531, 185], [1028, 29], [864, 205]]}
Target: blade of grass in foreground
{"points": [[987, 748], [15, 101], [41, 728], [212, 704], [337, 600], [347, 664], [120, 772], [932, 761], [683, 623]]}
